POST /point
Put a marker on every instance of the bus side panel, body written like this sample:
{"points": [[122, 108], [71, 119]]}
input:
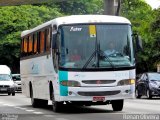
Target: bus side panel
{"points": [[39, 71]]}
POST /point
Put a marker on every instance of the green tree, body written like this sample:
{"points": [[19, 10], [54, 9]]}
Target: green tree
{"points": [[75, 7], [141, 16], [155, 31], [14, 20]]}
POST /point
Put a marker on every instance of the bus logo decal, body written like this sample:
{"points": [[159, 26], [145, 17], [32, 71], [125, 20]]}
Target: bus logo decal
{"points": [[75, 29]]}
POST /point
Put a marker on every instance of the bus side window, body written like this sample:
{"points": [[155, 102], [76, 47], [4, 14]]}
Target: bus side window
{"points": [[35, 43], [42, 42], [30, 45], [25, 46], [22, 47], [47, 35]]}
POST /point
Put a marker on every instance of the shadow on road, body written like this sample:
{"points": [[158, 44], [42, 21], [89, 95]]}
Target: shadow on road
{"points": [[77, 109], [145, 98], [81, 109]]}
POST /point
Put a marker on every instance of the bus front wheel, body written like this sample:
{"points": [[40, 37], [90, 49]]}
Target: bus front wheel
{"points": [[57, 106], [117, 105]]}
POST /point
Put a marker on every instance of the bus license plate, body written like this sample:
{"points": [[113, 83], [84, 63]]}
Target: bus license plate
{"points": [[98, 98]]}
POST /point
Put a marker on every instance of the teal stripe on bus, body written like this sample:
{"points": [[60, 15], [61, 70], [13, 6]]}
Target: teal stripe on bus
{"points": [[63, 76]]}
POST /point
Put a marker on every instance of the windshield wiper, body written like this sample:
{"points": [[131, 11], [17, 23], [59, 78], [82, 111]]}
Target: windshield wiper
{"points": [[100, 54], [89, 60]]}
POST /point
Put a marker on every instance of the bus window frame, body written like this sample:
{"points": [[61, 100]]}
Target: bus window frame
{"points": [[38, 35]]}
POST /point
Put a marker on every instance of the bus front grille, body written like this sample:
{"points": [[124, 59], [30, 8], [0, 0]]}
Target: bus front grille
{"points": [[98, 81], [99, 93]]}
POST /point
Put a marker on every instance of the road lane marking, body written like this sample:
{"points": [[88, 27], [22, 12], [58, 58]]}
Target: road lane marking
{"points": [[5, 104], [38, 112], [33, 111], [23, 108], [10, 105], [49, 116], [30, 110], [61, 119], [17, 107]]}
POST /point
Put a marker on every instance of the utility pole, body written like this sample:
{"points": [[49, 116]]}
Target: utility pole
{"points": [[112, 7], [109, 7]]}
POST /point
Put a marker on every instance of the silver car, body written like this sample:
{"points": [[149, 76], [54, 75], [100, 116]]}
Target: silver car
{"points": [[7, 85], [17, 80]]}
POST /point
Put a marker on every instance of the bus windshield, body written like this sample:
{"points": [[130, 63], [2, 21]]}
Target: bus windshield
{"points": [[96, 46]]}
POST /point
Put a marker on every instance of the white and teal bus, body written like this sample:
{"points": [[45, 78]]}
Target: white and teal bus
{"points": [[65, 61]]}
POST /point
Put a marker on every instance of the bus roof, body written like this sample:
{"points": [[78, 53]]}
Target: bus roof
{"points": [[79, 19]]}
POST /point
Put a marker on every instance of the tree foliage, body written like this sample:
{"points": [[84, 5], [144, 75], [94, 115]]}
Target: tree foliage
{"points": [[14, 20], [143, 19], [74, 7], [155, 31]]}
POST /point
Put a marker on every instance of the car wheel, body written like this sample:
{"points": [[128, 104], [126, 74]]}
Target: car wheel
{"points": [[137, 94], [117, 105], [149, 95], [9, 93]]}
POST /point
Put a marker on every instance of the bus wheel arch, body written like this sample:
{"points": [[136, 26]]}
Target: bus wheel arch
{"points": [[30, 89], [33, 101], [51, 90]]}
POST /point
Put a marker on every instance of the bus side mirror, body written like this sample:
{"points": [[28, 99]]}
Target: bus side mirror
{"points": [[138, 42]]}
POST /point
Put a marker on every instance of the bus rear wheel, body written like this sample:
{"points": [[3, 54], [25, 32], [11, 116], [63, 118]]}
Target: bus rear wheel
{"points": [[117, 105], [34, 102]]}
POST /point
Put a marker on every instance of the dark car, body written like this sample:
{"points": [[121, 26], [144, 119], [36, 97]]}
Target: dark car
{"points": [[148, 85]]}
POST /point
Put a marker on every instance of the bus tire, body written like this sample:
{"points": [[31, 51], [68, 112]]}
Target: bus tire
{"points": [[34, 102], [43, 103], [57, 106], [117, 105], [13, 94]]}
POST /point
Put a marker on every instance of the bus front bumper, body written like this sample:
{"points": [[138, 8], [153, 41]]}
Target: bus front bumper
{"points": [[90, 93]]}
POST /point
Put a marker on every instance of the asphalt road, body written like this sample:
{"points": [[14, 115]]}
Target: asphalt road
{"points": [[18, 107]]}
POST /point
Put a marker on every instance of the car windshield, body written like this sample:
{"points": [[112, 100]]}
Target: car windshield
{"points": [[16, 77], [154, 76], [4, 77], [87, 46]]}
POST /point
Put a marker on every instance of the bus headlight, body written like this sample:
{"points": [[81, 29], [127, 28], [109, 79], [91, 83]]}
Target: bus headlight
{"points": [[70, 83], [126, 82]]}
